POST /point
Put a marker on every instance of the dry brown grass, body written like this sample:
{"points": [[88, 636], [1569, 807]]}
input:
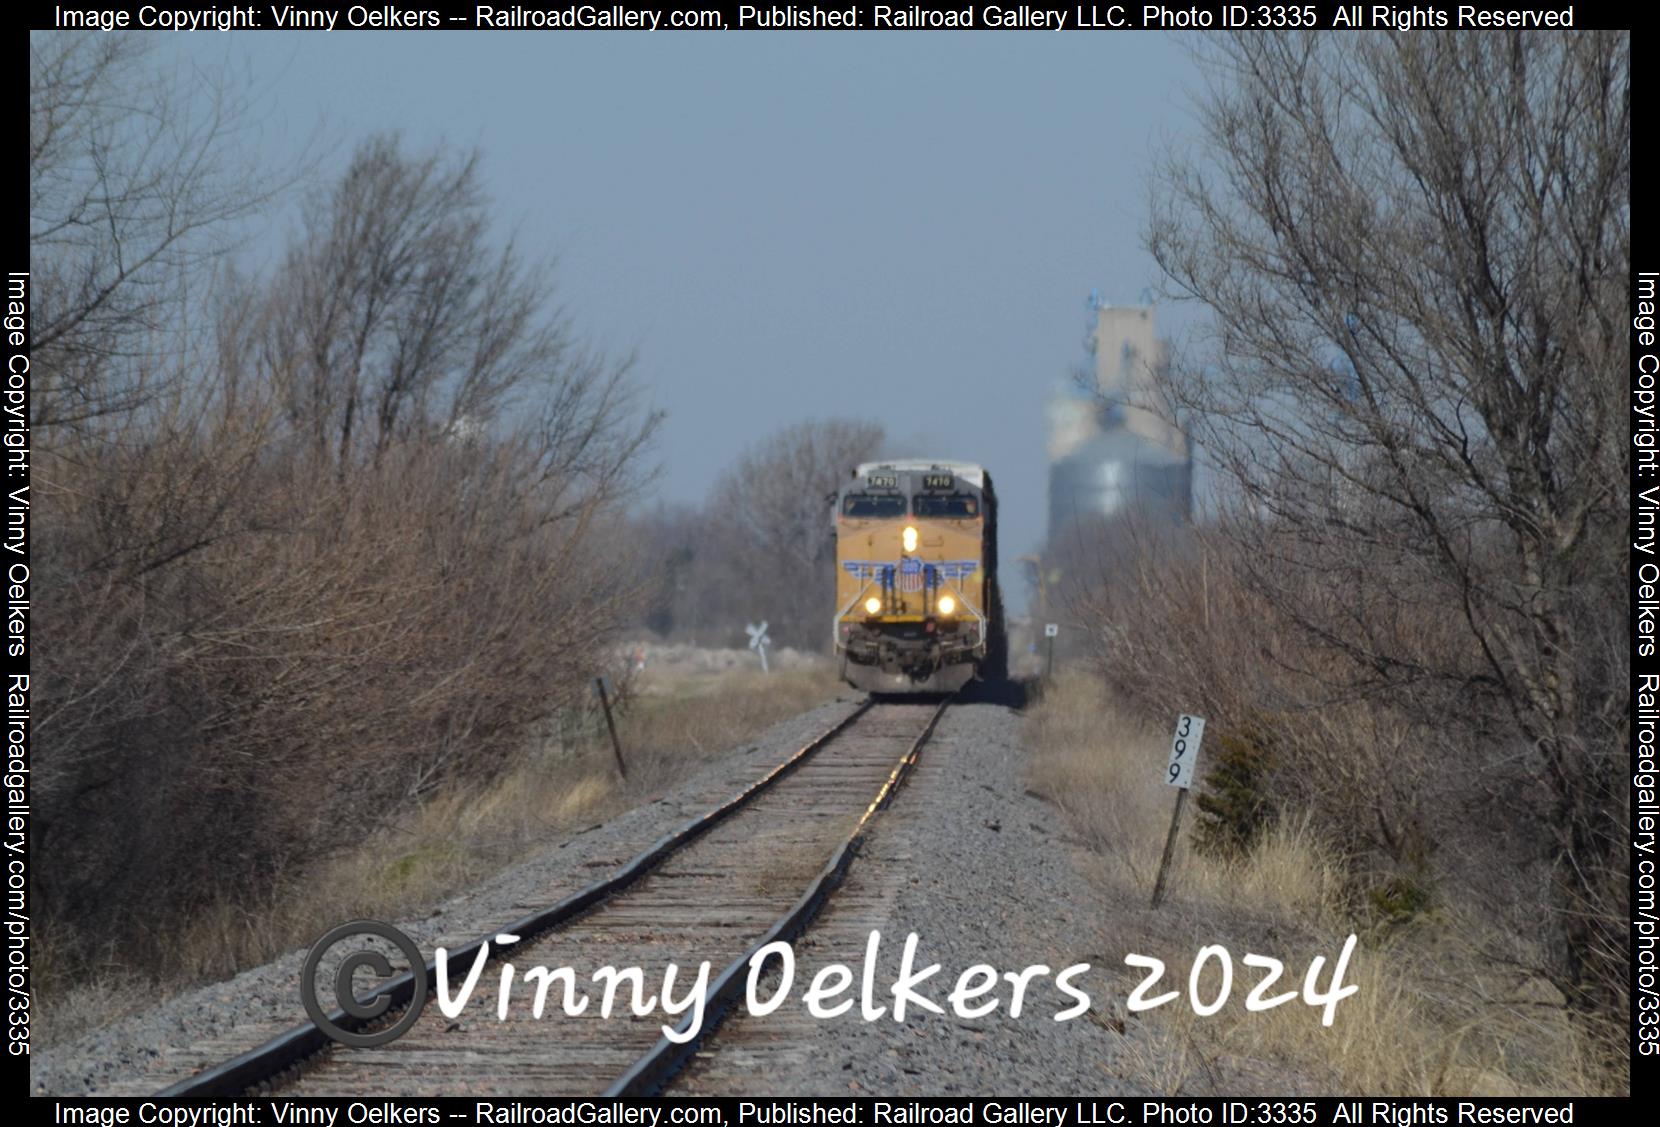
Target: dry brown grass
{"points": [[458, 837], [1430, 1017]]}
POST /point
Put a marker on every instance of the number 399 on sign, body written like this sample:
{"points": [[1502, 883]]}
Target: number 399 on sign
{"points": [[1184, 750]]}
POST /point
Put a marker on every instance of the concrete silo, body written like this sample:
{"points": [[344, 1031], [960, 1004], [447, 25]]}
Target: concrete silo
{"points": [[1112, 452]]}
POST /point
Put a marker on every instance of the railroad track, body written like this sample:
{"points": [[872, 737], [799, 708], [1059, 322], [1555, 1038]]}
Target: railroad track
{"points": [[754, 870]]}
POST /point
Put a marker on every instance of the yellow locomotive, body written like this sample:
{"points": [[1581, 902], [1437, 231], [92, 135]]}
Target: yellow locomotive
{"points": [[918, 608]]}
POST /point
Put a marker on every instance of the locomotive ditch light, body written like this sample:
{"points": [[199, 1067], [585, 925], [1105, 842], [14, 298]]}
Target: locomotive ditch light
{"points": [[873, 605], [947, 604], [909, 538]]}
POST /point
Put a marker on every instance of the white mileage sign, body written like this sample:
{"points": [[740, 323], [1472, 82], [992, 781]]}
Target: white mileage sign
{"points": [[1184, 750]]}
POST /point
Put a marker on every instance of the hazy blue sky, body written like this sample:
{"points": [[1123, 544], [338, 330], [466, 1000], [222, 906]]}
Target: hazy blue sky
{"points": [[789, 226]]}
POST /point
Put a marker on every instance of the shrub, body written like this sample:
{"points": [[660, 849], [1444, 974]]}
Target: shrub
{"points": [[1235, 802]]}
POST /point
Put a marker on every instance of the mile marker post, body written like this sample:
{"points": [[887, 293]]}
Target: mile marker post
{"points": [[616, 746], [1184, 753]]}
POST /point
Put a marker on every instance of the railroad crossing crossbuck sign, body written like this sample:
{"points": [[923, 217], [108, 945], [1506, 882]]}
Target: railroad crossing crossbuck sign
{"points": [[758, 641]]}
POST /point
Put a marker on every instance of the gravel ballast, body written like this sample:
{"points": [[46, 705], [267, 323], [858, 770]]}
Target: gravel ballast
{"points": [[980, 869], [242, 1012], [982, 872]]}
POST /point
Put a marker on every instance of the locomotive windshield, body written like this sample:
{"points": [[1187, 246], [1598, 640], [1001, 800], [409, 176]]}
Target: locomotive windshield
{"points": [[872, 505], [935, 506]]}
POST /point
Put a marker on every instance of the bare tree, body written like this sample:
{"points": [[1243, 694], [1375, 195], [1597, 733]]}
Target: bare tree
{"points": [[135, 186], [668, 536], [294, 625], [768, 545], [401, 318], [1415, 247]]}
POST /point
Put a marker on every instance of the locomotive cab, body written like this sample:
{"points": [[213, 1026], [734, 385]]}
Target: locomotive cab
{"points": [[916, 549]]}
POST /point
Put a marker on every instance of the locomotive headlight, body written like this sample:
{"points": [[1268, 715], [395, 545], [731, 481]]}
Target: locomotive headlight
{"points": [[908, 538], [873, 605], [947, 604]]}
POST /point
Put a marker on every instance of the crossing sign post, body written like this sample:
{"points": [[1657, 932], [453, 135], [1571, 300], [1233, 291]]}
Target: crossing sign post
{"points": [[758, 641]]}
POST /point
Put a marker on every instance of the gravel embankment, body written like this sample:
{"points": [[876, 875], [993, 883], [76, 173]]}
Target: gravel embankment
{"points": [[239, 1013], [983, 873]]}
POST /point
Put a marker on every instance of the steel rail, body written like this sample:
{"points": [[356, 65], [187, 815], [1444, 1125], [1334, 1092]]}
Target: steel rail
{"points": [[652, 1072], [266, 1061]]}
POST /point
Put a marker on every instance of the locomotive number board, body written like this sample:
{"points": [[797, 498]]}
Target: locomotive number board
{"points": [[936, 481], [882, 481]]}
